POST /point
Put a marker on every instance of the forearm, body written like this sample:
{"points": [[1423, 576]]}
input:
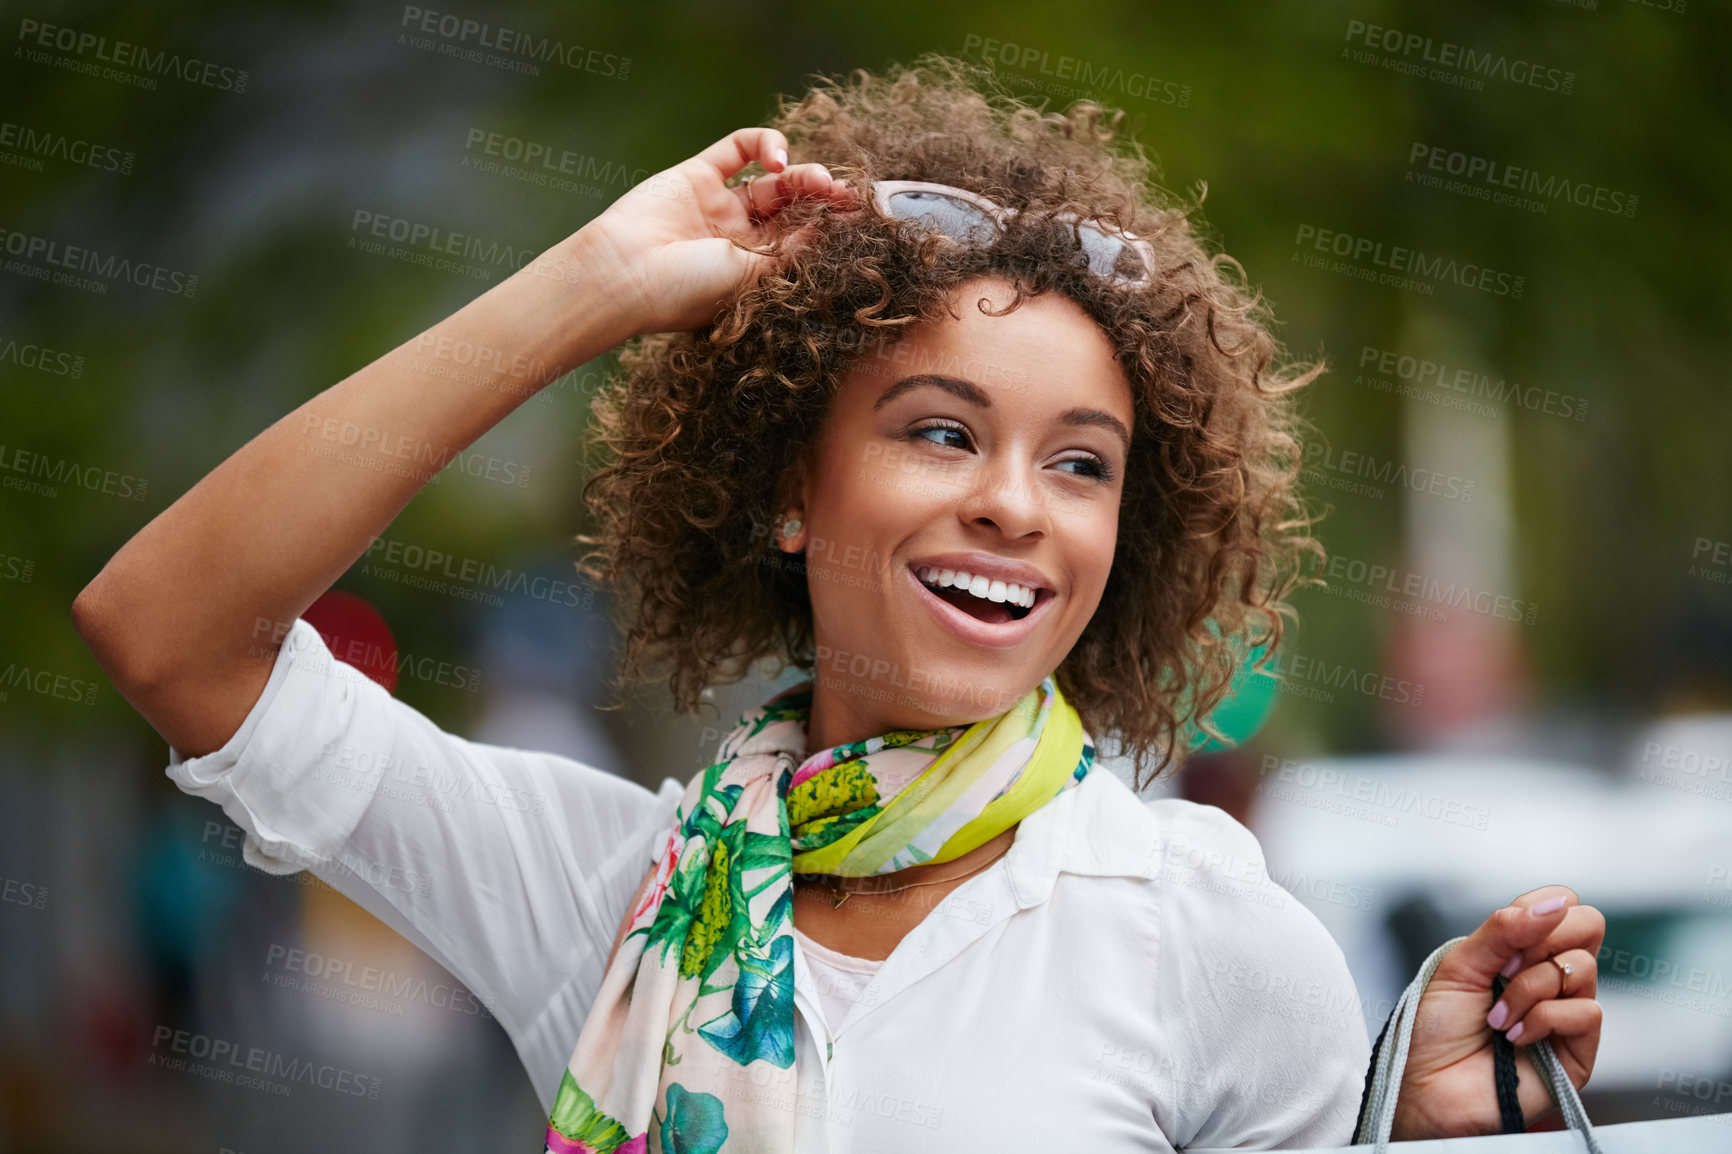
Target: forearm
{"points": [[275, 525]]}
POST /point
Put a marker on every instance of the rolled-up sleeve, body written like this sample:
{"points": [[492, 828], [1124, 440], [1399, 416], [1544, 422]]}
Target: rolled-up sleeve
{"points": [[511, 868]]}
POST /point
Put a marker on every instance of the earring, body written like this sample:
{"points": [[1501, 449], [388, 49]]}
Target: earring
{"points": [[791, 528]]}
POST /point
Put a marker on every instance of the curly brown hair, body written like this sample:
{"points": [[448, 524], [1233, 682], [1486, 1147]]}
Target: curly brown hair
{"points": [[700, 431]]}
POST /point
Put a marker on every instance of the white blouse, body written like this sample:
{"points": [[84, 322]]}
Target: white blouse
{"points": [[1125, 977], [839, 979]]}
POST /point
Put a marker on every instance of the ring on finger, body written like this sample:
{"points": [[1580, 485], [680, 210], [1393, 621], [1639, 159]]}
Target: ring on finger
{"points": [[1564, 972]]}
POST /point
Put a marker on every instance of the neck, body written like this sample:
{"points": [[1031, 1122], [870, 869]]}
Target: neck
{"points": [[846, 709]]}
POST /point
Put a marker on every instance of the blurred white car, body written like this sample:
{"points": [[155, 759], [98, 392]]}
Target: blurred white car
{"points": [[1396, 854]]}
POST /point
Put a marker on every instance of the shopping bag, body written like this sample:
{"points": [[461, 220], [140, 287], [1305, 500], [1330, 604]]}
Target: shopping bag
{"points": [[1703, 1134]]}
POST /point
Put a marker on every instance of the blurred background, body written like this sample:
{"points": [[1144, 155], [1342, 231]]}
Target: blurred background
{"points": [[1504, 225]]}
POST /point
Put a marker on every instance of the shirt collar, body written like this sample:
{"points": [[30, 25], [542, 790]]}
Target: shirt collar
{"points": [[1098, 828]]}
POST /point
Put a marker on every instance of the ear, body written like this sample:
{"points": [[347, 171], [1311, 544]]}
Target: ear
{"points": [[792, 493]]}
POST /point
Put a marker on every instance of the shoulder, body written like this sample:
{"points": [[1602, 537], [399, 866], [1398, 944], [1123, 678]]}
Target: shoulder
{"points": [[1255, 984], [1216, 889]]}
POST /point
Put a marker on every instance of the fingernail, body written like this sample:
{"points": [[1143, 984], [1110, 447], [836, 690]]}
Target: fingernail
{"points": [[1511, 966], [782, 157], [1499, 1013], [1515, 1031], [1550, 905]]}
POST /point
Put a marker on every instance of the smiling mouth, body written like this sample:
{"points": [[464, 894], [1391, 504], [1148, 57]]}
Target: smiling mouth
{"points": [[985, 599]]}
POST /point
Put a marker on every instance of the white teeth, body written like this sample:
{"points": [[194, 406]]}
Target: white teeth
{"points": [[983, 587]]}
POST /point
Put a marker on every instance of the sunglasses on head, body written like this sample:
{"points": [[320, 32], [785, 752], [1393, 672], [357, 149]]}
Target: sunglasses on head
{"points": [[969, 217]]}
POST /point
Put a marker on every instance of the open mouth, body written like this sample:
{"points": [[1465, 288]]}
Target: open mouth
{"points": [[982, 598]]}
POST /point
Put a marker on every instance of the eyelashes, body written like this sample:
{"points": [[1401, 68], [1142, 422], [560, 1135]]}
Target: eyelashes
{"points": [[1099, 469]]}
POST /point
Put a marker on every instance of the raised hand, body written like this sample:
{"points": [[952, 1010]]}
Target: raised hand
{"points": [[667, 241], [1447, 1090]]}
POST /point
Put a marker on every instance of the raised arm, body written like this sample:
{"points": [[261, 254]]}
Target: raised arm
{"points": [[187, 617]]}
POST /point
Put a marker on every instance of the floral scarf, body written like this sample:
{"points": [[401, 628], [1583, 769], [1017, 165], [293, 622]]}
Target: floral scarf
{"points": [[703, 984]]}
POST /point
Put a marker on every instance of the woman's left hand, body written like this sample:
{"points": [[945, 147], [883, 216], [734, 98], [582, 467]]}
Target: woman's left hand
{"points": [[1447, 1090]]}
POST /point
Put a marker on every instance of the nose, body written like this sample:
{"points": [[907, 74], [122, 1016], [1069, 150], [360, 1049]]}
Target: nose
{"points": [[1005, 497]]}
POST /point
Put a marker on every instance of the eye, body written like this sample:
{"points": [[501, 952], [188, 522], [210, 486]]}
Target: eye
{"points": [[1092, 467], [938, 432]]}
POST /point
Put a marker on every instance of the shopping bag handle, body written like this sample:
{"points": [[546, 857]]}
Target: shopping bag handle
{"points": [[1390, 1062]]}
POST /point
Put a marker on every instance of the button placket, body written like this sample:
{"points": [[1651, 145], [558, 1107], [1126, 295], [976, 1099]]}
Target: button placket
{"points": [[807, 1004], [815, 1125]]}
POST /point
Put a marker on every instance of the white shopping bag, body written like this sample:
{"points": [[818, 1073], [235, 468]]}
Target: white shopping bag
{"points": [[1704, 1134]]}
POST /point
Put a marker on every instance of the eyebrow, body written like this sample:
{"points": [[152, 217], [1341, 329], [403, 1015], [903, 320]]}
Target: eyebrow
{"points": [[975, 395]]}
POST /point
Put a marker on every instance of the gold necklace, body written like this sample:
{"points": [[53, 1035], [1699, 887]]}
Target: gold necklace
{"points": [[840, 893]]}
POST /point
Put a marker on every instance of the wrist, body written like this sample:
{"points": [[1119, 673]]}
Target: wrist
{"points": [[601, 306]]}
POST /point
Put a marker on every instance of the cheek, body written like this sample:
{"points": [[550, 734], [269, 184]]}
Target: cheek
{"points": [[1092, 545], [874, 498]]}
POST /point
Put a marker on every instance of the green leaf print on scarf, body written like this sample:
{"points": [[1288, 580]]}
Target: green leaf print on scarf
{"points": [[826, 806], [690, 889], [575, 1116], [693, 1124], [721, 910], [759, 1024]]}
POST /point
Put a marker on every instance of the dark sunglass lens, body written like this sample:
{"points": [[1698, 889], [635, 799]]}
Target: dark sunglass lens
{"points": [[946, 214]]}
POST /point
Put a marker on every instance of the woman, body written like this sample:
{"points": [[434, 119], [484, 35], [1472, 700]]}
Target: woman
{"points": [[1004, 464]]}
